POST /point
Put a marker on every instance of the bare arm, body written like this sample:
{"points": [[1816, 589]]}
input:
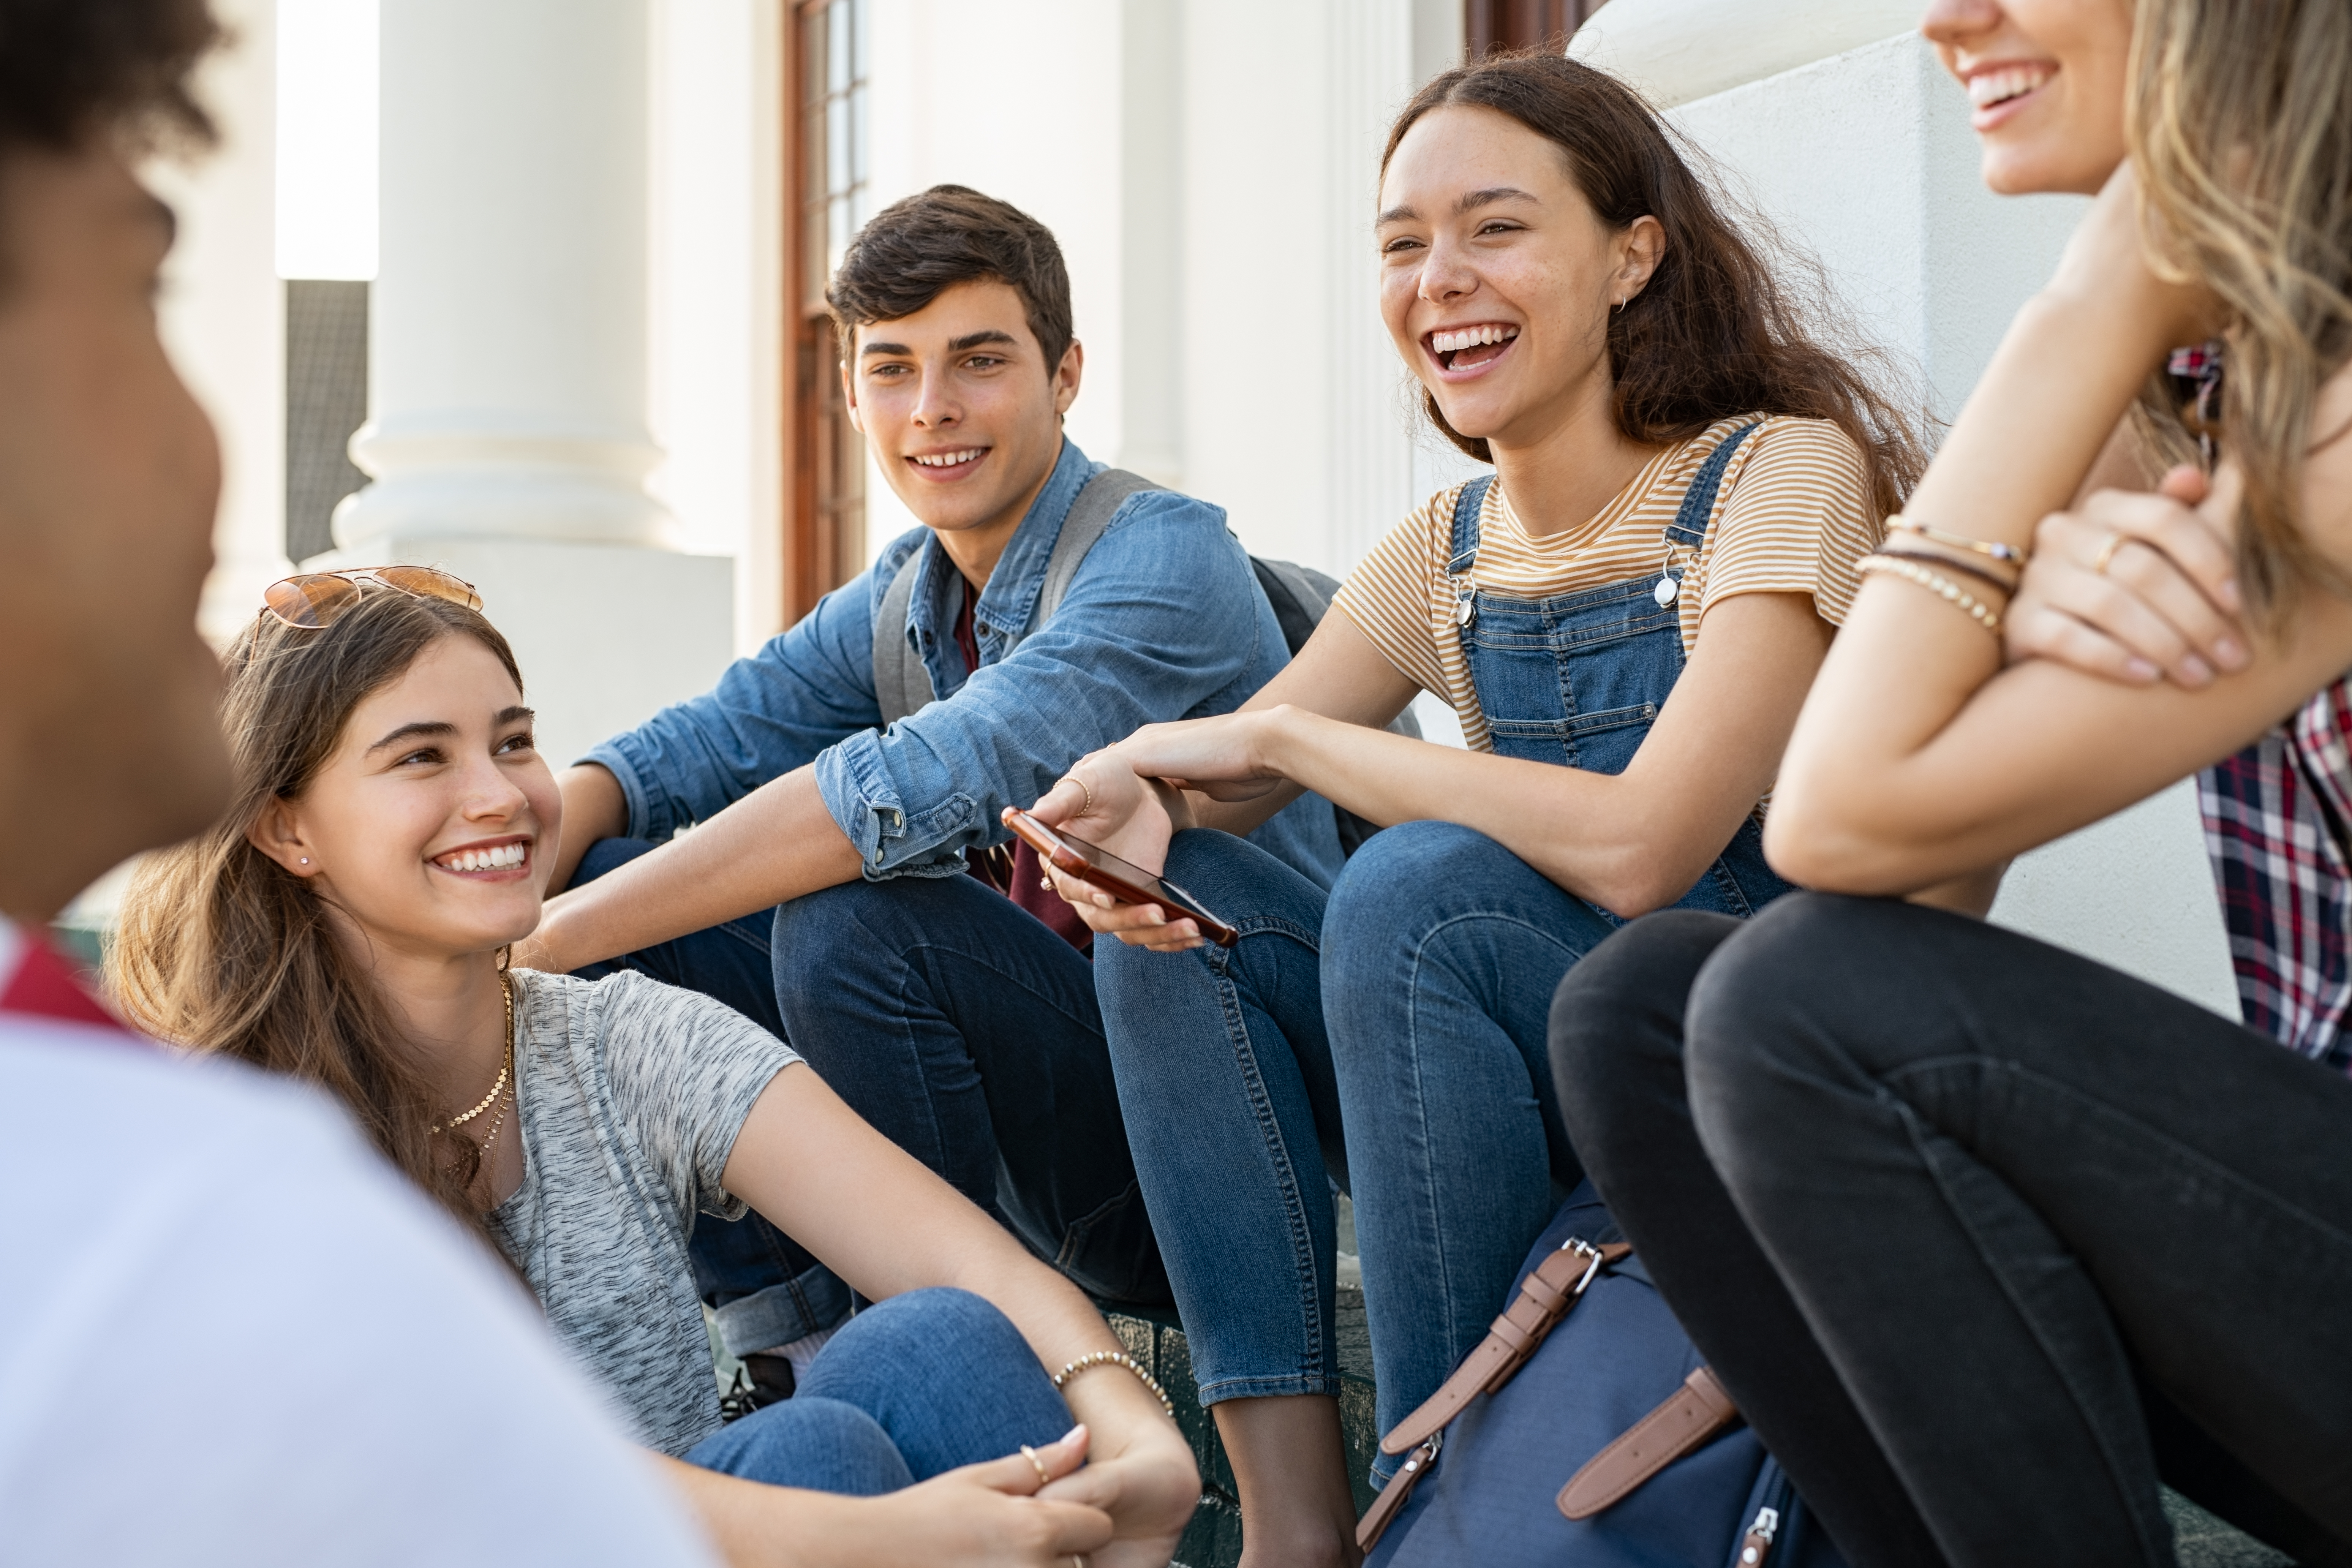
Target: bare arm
{"points": [[1338, 675], [593, 809], [887, 1224], [777, 843], [1629, 842], [989, 1513], [1917, 758]]}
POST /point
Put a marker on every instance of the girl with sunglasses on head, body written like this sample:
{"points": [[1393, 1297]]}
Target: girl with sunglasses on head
{"points": [[1624, 615], [1984, 1238], [346, 924]]}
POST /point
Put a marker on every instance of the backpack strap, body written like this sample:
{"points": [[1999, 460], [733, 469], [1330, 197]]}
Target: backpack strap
{"points": [[901, 685], [1549, 1293], [1691, 1416], [1086, 522]]}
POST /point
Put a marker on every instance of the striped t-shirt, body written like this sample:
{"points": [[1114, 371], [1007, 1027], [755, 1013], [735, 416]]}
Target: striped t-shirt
{"points": [[1794, 515]]}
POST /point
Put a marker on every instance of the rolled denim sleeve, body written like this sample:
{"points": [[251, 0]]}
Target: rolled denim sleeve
{"points": [[810, 687], [1163, 621]]}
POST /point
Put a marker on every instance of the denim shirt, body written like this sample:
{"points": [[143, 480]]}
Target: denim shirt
{"points": [[1163, 620]]}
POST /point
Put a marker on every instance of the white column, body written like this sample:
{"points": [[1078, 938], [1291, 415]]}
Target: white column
{"points": [[508, 434], [1845, 132], [223, 314]]}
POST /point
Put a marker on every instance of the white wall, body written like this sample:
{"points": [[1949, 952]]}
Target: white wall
{"points": [[223, 312], [716, 277], [1209, 167]]}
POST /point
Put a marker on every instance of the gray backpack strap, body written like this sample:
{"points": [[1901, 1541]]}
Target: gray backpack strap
{"points": [[1088, 516], [901, 685]]}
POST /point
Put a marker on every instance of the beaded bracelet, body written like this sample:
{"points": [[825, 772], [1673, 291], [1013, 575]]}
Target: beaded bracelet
{"points": [[1117, 1358], [1935, 582]]}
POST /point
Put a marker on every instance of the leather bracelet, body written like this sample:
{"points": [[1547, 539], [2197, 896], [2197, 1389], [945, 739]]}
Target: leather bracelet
{"points": [[1117, 1358], [2008, 554], [1948, 564]]}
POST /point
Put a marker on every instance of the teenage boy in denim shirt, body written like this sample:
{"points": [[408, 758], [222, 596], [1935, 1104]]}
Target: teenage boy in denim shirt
{"points": [[825, 890]]}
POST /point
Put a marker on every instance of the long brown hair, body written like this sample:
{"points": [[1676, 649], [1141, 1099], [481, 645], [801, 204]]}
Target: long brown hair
{"points": [[1715, 334], [222, 949], [2238, 120]]}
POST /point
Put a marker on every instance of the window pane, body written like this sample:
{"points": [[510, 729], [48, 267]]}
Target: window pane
{"points": [[837, 176], [857, 172], [838, 41]]}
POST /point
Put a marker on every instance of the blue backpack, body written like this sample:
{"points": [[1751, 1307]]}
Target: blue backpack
{"points": [[1584, 1432]]}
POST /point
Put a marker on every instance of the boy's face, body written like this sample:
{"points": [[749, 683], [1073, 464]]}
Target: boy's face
{"points": [[961, 411], [110, 738]]}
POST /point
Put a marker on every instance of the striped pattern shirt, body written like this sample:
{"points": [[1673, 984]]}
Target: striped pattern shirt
{"points": [[1794, 516]]}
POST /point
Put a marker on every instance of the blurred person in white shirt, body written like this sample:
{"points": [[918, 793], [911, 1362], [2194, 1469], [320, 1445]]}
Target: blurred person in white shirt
{"points": [[227, 1332]]}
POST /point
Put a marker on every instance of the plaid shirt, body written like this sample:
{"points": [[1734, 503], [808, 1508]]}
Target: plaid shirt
{"points": [[2276, 816]]}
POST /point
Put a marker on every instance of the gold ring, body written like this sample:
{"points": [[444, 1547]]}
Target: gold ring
{"points": [[2106, 556], [1044, 1475], [1072, 777]]}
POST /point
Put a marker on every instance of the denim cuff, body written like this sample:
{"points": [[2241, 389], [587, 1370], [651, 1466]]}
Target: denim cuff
{"points": [[780, 1314], [891, 841], [649, 814]]}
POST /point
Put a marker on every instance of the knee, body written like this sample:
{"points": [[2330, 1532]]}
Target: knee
{"points": [[1774, 1015], [920, 1326], [1617, 1018], [810, 1441], [820, 937], [1380, 896]]}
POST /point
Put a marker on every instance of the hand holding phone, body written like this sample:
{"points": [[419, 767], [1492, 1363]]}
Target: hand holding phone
{"points": [[1098, 868]]}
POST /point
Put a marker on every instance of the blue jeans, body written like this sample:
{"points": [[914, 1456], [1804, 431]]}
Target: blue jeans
{"points": [[1411, 1011], [920, 1385], [963, 1030]]}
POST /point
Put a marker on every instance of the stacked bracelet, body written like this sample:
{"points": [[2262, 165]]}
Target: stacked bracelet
{"points": [[1935, 582], [1991, 548], [1117, 1358], [1945, 563]]}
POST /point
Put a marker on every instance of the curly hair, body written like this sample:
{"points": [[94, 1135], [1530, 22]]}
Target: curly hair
{"points": [[1717, 332], [72, 70]]}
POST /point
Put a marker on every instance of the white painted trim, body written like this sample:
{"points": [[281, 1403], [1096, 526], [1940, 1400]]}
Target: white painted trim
{"points": [[1679, 50]]}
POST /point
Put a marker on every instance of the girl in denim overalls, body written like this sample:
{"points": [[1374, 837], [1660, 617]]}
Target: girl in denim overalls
{"points": [[1666, 442]]}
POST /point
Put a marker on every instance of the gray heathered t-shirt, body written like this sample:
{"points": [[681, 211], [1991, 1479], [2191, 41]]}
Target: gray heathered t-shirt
{"points": [[632, 1093]]}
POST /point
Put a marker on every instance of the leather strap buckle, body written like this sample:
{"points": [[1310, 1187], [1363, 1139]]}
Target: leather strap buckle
{"points": [[1545, 1296]]}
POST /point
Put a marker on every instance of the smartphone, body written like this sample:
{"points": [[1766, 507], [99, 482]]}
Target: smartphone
{"points": [[1098, 868]]}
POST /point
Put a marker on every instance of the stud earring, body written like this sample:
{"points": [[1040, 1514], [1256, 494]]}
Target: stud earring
{"points": [[306, 859]]}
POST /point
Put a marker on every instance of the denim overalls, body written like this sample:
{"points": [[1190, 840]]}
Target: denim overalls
{"points": [[1578, 678]]}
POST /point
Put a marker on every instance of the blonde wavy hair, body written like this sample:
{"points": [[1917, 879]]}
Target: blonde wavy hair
{"points": [[2238, 120]]}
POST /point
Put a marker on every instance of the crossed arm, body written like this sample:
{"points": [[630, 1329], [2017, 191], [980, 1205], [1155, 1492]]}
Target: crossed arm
{"points": [[1918, 757], [1629, 842]]}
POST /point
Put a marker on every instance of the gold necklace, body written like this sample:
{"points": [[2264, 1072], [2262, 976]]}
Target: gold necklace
{"points": [[496, 1089]]}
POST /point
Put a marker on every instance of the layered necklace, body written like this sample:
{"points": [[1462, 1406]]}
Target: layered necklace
{"points": [[498, 1095]]}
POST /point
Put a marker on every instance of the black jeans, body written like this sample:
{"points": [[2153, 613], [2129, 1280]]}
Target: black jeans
{"points": [[1983, 1236], [964, 1030]]}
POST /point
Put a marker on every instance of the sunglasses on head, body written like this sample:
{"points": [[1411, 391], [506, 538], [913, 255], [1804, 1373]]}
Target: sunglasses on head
{"points": [[316, 599]]}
